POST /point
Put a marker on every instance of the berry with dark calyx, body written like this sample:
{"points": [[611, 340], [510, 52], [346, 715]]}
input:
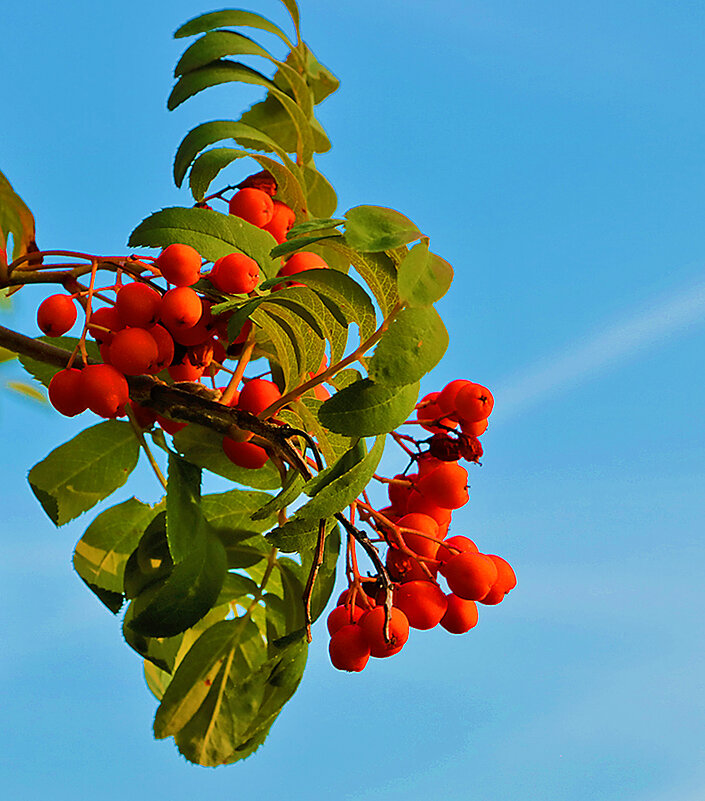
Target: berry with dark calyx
{"points": [[473, 403], [506, 581], [105, 390], [446, 397], [133, 351], [138, 305], [372, 623], [245, 454], [282, 220], [426, 542], [180, 264], [349, 649], [257, 395], [185, 371], [343, 616], [460, 616], [105, 317], [302, 261], [403, 567], [181, 308], [260, 180], [165, 348], [56, 315], [235, 274], [446, 485], [66, 392], [470, 575], [252, 205], [423, 602]]}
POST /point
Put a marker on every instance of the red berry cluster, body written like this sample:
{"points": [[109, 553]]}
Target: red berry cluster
{"points": [[415, 528], [149, 328]]}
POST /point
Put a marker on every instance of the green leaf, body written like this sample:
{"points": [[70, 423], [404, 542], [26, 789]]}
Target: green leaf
{"points": [[375, 228], [7, 355], [15, 219], [320, 78], [331, 445], [187, 594], [238, 509], [412, 346], [314, 226], [288, 354], [233, 19], [204, 448], [291, 490], [43, 372], [322, 199], [101, 553], [212, 234], [296, 535], [377, 270], [79, 474], [306, 332], [236, 586], [423, 277], [347, 461], [272, 118], [365, 408], [184, 517], [302, 243], [346, 377]]}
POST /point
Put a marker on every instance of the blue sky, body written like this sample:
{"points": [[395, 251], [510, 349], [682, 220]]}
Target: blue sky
{"points": [[553, 153]]}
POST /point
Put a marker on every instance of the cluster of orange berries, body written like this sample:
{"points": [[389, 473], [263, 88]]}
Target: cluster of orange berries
{"points": [[150, 328], [415, 527]]}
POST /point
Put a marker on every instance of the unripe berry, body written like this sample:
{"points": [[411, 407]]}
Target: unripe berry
{"points": [[282, 220], [181, 308], [252, 205], [235, 274], [66, 392], [245, 454], [460, 616], [446, 485], [470, 575], [105, 317], [138, 305], [180, 264], [506, 581], [423, 602], [257, 395], [418, 543], [343, 616], [349, 649], [105, 389], [133, 351], [372, 624], [301, 261], [473, 403], [56, 314]]}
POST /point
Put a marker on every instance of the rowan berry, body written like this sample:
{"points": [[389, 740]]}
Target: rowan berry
{"points": [[133, 351], [180, 264], [66, 392], [453, 545], [144, 417], [245, 454], [473, 429], [431, 412], [181, 308], [403, 567], [138, 305], [56, 314], [165, 348], [446, 485], [506, 581], [363, 599], [257, 395], [423, 602], [372, 624], [349, 649], [446, 397], [399, 490], [282, 220], [193, 335], [343, 616], [460, 616], [185, 371], [301, 261], [473, 403], [427, 528], [470, 575], [105, 317], [252, 205], [235, 274], [170, 426], [105, 389]]}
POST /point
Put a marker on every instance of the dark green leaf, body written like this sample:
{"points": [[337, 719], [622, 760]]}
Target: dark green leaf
{"points": [[297, 534], [412, 346], [291, 490], [423, 278], [15, 219], [347, 461], [184, 517], [364, 409], [377, 270], [204, 448], [238, 509], [375, 228], [79, 474], [211, 233]]}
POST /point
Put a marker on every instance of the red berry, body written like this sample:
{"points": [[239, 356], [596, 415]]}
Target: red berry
{"points": [[343, 616], [133, 351], [170, 426], [459, 544], [185, 371], [470, 575], [473, 403], [303, 260], [180, 264], [252, 205], [105, 317], [405, 568], [420, 543], [446, 485], [423, 602], [235, 274], [144, 417], [257, 395], [473, 429], [506, 581], [165, 348], [181, 308], [446, 397], [460, 616], [105, 389], [66, 392], [426, 506], [372, 623], [56, 314], [282, 220], [138, 305], [431, 412], [349, 649], [245, 454]]}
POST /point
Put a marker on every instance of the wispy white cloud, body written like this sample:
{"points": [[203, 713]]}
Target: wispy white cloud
{"points": [[664, 317]]}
